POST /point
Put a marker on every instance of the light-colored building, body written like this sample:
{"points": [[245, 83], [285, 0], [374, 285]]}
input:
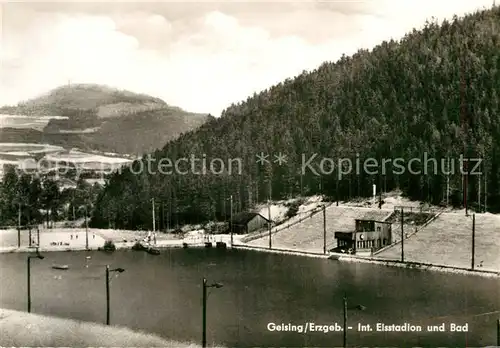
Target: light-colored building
{"points": [[368, 236]]}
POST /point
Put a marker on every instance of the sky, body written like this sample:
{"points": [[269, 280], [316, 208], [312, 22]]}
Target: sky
{"points": [[198, 55]]}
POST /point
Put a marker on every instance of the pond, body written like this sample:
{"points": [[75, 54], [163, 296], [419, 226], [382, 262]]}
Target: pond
{"points": [[163, 295]]}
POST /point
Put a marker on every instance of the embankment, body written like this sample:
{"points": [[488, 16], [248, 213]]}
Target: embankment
{"points": [[364, 259], [20, 329], [280, 251], [417, 265], [119, 246]]}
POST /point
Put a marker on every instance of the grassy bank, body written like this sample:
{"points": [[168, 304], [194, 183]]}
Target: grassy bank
{"points": [[20, 329]]}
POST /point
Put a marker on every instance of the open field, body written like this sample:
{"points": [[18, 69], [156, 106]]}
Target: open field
{"points": [[74, 238], [57, 153], [448, 241], [24, 121], [21, 329], [27, 148], [23, 155], [308, 235], [82, 157]]}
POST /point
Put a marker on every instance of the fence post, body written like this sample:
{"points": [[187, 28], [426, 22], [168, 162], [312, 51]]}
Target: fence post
{"points": [[324, 229], [473, 240]]}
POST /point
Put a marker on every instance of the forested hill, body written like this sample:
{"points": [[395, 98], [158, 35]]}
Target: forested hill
{"points": [[103, 118], [400, 100]]}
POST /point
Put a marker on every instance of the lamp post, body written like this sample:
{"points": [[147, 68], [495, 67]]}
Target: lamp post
{"points": [[86, 217], [358, 307], [498, 332], [37, 256], [153, 217], [205, 286], [119, 270], [86, 228], [231, 220]]}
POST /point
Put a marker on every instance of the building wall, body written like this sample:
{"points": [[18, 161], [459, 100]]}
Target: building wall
{"points": [[256, 223], [379, 237], [365, 225], [344, 243], [386, 231]]}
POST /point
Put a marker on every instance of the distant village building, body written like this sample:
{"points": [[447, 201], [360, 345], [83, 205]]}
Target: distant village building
{"points": [[247, 222], [100, 182], [65, 183], [368, 236]]}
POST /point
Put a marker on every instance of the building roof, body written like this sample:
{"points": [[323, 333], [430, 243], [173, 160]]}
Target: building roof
{"points": [[344, 235], [65, 182], [244, 217], [101, 182], [372, 220]]}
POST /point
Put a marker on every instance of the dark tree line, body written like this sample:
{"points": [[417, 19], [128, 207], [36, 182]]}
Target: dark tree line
{"points": [[435, 92], [28, 199]]}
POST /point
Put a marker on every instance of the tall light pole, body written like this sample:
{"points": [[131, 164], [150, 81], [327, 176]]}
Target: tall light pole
{"points": [[498, 332], [358, 307], [86, 217], [205, 286], [119, 270], [269, 217], [269, 224], [473, 240], [19, 216], [324, 229], [402, 237], [19, 226], [153, 217], [86, 229], [345, 321], [37, 256], [231, 219]]}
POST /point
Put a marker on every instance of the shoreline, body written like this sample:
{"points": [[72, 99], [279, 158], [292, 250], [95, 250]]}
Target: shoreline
{"points": [[169, 244], [420, 266], [377, 261], [283, 251]]}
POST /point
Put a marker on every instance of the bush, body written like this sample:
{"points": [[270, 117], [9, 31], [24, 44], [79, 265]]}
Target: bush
{"points": [[292, 211], [293, 208], [329, 198], [109, 246]]}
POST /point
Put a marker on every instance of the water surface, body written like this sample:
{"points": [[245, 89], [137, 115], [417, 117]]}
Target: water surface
{"points": [[162, 294]]}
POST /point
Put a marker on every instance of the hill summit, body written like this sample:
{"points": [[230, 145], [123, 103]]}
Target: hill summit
{"points": [[103, 118], [90, 96]]}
